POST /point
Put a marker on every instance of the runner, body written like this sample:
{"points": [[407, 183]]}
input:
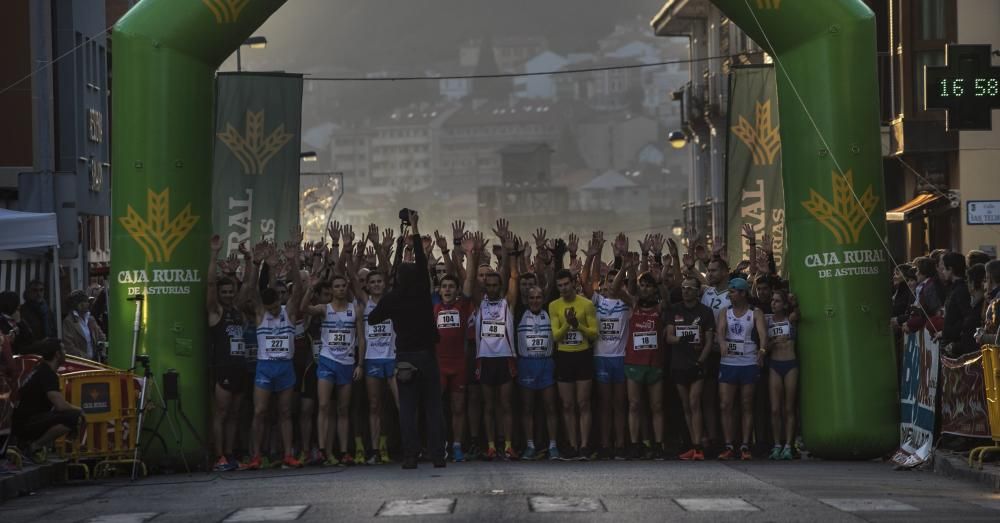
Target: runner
{"points": [[784, 371], [690, 332], [715, 296], [225, 324], [536, 370], [643, 358], [743, 344], [609, 348], [379, 358], [496, 366], [574, 327], [275, 339], [451, 317]]}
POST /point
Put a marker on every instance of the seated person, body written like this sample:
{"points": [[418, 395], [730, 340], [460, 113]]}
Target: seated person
{"points": [[43, 414]]}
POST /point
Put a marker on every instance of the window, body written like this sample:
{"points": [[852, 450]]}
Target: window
{"points": [[920, 59], [932, 20]]}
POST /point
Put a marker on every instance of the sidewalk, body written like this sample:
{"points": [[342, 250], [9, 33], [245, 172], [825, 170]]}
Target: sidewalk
{"points": [[31, 478], [956, 465]]}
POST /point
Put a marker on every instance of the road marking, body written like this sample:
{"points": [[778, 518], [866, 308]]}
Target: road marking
{"points": [[993, 504], [134, 517], [715, 504], [867, 504], [417, 507], [558, 504], [287, 513]]}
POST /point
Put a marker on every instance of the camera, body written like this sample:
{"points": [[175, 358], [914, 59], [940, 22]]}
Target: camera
{"points": [[404, 215]]}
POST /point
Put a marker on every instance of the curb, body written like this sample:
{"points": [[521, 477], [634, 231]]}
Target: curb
{"points": [[31, 479], [955, 465]]}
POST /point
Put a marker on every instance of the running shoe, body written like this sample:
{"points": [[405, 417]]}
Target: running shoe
{"points": [[509, 454], [359, 455], [745, 454], [253, 464], [775, 453], [554, 454], [331, 461], [457, 455], [570, 455], [727, 454], [699, 455], [491, 454], [372, 458], [786, 454], [383, 451], [620, 454], [528, 454], [346, 460], [603, 454], [289, 462], [657, 453], [222, 465], [586, 454], [689, 455], [473, 453]]}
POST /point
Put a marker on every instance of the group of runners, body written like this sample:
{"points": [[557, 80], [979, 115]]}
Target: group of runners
{"points": [[525, 328]]}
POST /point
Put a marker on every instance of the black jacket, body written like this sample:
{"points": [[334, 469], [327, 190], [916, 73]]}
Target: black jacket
{"points": [[957, 307], [409, 306]]}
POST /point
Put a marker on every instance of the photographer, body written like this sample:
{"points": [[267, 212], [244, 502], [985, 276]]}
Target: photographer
{"points": [[43, 414], [409, 307]]}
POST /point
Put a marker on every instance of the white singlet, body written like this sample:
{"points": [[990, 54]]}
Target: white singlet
{"points": [[740, 347], [612, 326], [338, 335], [380, 339], [275, 337], [494, 329], [715, 300], [534, 335]]}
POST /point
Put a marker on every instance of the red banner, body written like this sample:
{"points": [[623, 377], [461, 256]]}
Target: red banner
{"points": [[963, 398]]}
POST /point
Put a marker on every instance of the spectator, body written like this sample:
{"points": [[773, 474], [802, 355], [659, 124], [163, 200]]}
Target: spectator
{"points": [[904, 283], [11, 325], [927, 304], [976, 276], [81, 334], [43, 415], [976, 257], [990, 318], [958, 304], [35, 311]]}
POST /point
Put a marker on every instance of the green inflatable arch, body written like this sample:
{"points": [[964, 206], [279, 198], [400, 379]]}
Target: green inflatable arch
{"points": [[166, 55]]}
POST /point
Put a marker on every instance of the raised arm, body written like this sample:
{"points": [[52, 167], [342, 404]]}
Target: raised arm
{"points": [[292, 251], [618, 284], [449, 263], [510, 252], [590, 269], [211, 292], [468, 289]]}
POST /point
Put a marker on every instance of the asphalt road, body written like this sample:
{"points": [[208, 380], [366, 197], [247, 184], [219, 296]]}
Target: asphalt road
{"points": [[813, 491]]}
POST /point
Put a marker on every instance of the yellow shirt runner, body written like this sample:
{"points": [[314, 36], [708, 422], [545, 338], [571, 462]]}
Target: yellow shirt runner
{"points": [[567, 338]]}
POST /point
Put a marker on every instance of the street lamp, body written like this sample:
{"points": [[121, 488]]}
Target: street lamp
{"points": [[678, 228], [254, 42], [677, 139], [309, 156]]}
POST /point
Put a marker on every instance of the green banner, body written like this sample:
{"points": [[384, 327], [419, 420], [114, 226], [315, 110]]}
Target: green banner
{"points": [[255, 181], [754, 192]]}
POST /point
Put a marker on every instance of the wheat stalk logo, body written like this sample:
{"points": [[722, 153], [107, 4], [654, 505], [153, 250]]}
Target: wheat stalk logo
{"points": [[225, 11], [763, 140], [158, 234], [845, 217], [252, 149]]}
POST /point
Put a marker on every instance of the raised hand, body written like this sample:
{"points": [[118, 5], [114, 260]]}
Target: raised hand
{"points": [[576, 265], [539, 237], [348, 234], [468, 240], [478, 243], [296, 235], [749, 234], [414, 218], [701, 253], [333, 230], [527, 251], [595, 245], [719, 248], [687, 260], [672, 247], [291, 251], [215, 243], [427, 243], [656, 243], [387, 238], [457, 230], [441, 241], [645, 244], [502, 229], [372, 233], [370, 256], [573, 244], [244, 251], [621, 244]]}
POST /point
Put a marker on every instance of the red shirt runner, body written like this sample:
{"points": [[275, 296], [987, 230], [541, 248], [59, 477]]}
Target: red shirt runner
{"points": [[452, 320], [645, 331]]}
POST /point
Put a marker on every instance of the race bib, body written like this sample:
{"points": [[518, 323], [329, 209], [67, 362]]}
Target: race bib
{"points": [[644, 341], [573, 337], [317, 347], [379, 330], [237, 348], [277, 346], [611, 328], [537, 343], [735, 348], [779, 329], [339, 338], [684, 330], [252, 352], [493, 329], [448, 320]]}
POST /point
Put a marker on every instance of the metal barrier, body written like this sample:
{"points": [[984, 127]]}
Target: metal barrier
{"points": [[109, 399], [991, 385]]}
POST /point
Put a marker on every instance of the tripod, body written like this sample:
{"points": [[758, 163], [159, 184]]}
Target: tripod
{"points": [[147, 378]]}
